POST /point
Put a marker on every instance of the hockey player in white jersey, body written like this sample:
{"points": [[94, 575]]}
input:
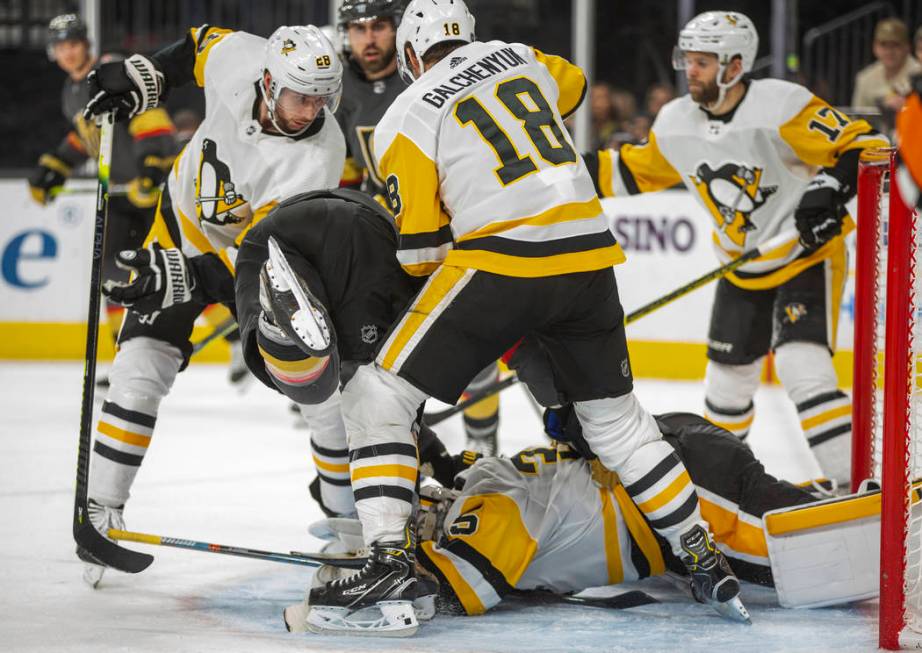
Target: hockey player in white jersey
{"points": [[268, 133], [504, 220], [762, 157]]}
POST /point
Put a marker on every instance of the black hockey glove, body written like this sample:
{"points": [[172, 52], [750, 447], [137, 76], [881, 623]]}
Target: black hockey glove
{"points": [[161, 278], [434, 459], [126, 87], [820, 213], [48, 178]]}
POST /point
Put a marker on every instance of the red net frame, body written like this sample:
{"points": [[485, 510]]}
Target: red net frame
{"points": [[883, 444]]}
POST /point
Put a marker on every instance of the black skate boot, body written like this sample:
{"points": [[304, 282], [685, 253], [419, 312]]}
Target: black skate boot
{"points": [[376, 601], [712, 580]]}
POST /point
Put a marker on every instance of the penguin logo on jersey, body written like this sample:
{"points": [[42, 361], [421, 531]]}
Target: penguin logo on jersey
{"points": [[794, 311], [731, 193], [215, 193]]}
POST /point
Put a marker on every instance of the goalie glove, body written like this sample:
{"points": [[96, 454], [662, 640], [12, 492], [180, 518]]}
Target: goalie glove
{"points": [[161, 278], [126, 87], [294, 333], [820, 212]]}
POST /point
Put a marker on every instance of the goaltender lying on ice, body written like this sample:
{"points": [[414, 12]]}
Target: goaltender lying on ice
{"points": [[549, 518]]}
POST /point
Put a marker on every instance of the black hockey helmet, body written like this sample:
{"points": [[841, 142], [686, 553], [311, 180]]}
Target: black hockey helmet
{"points": [[66, 27], [351, 10]]}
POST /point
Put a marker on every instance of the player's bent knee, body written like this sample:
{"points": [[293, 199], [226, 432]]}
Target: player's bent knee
{"points": [[145, 367], [615, 427], [379, 407]]}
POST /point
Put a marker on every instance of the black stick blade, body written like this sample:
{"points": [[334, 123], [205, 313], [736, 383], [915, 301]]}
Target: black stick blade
{"points": [[108, 553]]}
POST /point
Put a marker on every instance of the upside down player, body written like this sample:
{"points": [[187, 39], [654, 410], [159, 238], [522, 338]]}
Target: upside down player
{"points": [[268, 133], [370, 84], [761, 156]]}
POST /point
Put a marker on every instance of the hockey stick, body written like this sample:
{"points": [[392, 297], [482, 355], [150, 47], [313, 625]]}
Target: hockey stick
{"points": [[782, 239], [770, 245], [114, 189], [434, 418], [85, 534], [223, 329], [207, 547], [623, 601]]}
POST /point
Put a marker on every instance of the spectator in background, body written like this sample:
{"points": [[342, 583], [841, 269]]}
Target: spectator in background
{"points": [[885, 83], [604, 114], [658, 95]]}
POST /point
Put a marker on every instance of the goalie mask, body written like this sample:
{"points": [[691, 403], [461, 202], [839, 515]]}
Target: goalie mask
{"points": [[426, 23], [305, 75], [727, 34]]}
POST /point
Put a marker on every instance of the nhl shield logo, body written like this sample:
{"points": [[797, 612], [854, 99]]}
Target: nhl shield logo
{"points": [[369, 334]]}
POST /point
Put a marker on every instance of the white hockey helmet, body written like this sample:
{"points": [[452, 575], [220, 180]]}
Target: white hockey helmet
{"points": [[727, 34], [301, 61], [428, 22]]}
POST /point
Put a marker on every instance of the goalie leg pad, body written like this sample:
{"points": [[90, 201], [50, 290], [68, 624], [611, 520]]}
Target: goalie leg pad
{"points": [[826, 553]]}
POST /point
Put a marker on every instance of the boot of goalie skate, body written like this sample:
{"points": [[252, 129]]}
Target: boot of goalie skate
{"points": [[375, 601], [103, 518], [712, 580]]}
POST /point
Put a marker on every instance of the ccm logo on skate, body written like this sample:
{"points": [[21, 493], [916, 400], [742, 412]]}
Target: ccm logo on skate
{"points": [[18, 254], [647, 234]]}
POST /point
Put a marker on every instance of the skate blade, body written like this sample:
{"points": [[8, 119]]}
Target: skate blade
{"points": [[384, 619], [733, 610], [92, 574]]}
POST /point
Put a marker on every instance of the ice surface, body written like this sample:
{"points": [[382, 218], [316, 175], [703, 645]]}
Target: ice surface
{"points": [[229, 469]]}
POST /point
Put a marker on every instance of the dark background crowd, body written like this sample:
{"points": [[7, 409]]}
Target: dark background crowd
{"points": [[833, 43]]}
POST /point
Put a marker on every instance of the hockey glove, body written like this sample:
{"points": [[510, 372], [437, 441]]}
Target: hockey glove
{"points": [[161, 278], [820, 213], [126, 87], [48, 178]]}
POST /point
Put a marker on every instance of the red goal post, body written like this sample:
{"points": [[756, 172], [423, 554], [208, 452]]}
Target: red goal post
{"points": [[887, 439]]}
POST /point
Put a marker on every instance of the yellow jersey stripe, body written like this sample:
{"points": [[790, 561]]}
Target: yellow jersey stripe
{"points": [[544, 266], [391, 471], [669, 493], [195, 237], [826, 416], [203, 45], [122, 435], [468, 597], [606, 173], [559, 214], [417, 184], [306, 364], [612, 544], [571, 82]]}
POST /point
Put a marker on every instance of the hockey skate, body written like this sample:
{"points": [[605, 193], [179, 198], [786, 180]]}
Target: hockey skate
{"points": [[712, 580], [103, 518], [376, 601], [238, 374]]}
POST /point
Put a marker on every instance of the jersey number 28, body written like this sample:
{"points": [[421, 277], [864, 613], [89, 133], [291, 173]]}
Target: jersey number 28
{"points": [[536, 120]]}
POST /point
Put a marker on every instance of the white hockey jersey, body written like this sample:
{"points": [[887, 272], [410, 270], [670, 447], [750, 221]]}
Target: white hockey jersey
{"points": [[539, 521], [231, 173], [747, 169], [481, 173]]}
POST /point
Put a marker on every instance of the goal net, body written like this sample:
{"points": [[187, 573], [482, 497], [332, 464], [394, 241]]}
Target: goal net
{"points": [[887, 396]]}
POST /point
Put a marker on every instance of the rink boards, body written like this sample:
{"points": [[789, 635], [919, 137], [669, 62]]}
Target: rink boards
{"points": [[44, 274]]}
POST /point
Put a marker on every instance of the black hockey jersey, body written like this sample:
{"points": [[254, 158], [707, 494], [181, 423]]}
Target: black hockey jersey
{"points": [[342, 243], [363, 104]]}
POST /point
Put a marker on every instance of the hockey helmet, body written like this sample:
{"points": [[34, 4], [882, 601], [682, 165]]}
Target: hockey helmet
{"points": [[727, 34], [426, 23], [360, 10], [66, 27], [301, 61]]}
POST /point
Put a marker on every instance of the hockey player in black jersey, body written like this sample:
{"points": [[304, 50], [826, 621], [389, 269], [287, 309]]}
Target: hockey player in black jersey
{"points": [[370, 84], [143, 152]]}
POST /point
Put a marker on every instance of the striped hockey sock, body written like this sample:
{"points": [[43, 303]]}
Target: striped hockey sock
{"points": [[736, 420], [384, 486], [481, 421], [333, 475], [123, 434], [827, 423]]}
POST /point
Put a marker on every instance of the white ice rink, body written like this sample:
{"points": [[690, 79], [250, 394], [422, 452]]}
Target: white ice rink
{"points": [[232, 469]]}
